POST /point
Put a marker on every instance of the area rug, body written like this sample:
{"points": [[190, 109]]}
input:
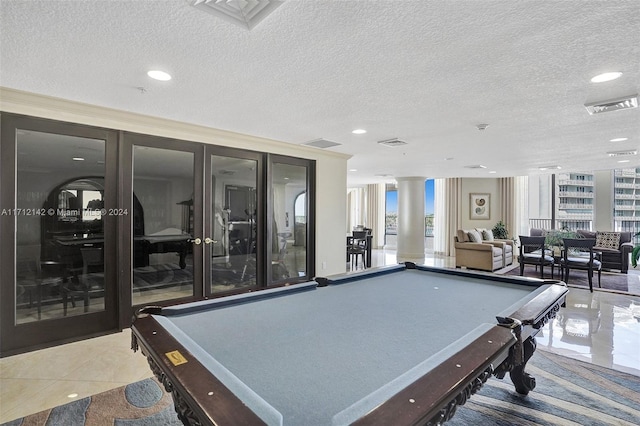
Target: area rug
{"points": [[143, 403], [568, 392], [609, 280]]}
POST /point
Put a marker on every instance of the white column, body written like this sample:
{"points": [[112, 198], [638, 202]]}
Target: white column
{"points": [[411, 219]]}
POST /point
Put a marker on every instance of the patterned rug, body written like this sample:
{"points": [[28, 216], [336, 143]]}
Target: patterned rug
{"points": [[568, 392]]}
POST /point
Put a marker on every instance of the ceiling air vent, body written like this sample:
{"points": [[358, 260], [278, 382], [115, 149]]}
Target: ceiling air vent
{"points": [[618, 104], [622, 153], [245, 13], [321, 143], [392, 142]]}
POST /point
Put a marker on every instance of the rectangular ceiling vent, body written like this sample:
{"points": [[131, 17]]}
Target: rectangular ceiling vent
{"points": [[321, 143], [392, 142], [227, 172], [245, 13], [622, 153], [618, 104]]}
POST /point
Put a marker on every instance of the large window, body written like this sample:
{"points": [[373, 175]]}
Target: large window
{"points": [[568, 200]]}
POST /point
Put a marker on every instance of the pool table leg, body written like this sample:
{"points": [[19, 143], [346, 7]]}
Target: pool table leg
{"points": [[521, 379]]}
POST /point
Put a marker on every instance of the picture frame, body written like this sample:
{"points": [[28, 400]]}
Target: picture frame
{"points": [[479, 206]]}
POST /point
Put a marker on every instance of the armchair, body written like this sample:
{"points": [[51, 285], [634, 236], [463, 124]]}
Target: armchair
{"points": [[505, 244], [578, 254], [477, 255], [534, 252]]}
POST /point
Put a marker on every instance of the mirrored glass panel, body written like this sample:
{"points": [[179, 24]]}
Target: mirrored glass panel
{"points": [[59, 226], [162, 224], [289, 227], [233, 224]]}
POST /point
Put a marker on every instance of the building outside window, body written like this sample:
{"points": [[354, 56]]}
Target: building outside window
{"points": [[574, 197]]}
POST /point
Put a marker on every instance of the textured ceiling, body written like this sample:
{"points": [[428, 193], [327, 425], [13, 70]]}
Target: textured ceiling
{"points": [[426, 72]]}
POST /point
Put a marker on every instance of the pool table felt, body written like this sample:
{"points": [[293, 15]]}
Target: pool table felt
{"points": [[330, 347]]}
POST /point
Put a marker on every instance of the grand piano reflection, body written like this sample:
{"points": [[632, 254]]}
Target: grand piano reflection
{"points": [[77, 221]]}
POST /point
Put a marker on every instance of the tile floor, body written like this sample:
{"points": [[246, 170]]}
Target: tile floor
{"points": [[602, 328]]}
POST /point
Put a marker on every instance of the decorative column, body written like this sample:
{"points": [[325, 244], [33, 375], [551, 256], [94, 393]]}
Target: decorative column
{"points": [[410, 245]]}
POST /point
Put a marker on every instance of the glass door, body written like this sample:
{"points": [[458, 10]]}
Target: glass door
{"points": [[289, 242], [58, 230], [164, 229], [234, 218]]}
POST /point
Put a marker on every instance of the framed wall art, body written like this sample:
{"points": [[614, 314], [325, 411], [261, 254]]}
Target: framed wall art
{"points": [[479, 206]]}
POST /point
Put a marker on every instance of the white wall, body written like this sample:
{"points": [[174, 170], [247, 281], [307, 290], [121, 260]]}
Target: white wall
{"points": [[331, 167], [480, 186]]}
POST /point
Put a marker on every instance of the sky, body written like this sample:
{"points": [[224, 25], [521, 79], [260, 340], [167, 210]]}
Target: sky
{"points": [[392, 198]]}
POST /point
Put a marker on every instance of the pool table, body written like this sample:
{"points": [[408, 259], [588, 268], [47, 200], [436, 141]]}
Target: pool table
{"points": [[400, 345]]}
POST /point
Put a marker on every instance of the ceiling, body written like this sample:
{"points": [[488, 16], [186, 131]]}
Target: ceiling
{"points": [[426, 72]]}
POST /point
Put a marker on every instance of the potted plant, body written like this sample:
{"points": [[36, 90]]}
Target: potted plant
{"points": [[554, 237], [500, 231]]}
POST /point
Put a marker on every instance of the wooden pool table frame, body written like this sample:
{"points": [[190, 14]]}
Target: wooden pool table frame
{"points": [[201, 399]]}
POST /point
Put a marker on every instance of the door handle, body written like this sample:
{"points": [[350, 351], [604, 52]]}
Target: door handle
{"points": [[209, 241], [196, 241]]}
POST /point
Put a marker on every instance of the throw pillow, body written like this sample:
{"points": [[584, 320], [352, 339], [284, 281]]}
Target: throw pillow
{"points": [[487, 234], [474, 236], [462, 236], [610, 240]]}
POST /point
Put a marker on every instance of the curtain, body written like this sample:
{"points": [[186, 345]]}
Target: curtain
{"points": [[356, 208], [447, 217], [375, 212], [514, 205], [507, 202], [521, 214]]}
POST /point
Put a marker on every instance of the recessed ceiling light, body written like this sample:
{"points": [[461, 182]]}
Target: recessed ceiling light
{"points": [[623, 161], [159, 75], [78, 159], [359, 132], [618, 140], [448, 159], [72, 395], [607, 76], [492, 171], [353, 170]]}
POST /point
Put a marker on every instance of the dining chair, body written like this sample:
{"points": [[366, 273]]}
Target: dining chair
{"points": [[578, 254], [357, 247], [89, 282], [533, 252], [39, 279]]}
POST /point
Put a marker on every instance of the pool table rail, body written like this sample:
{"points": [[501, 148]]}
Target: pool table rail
{"points": [[193, 388], [544, 307], [434, 397]]}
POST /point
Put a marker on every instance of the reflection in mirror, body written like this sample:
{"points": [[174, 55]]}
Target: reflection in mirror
{"points": [[162, 224], [289, 227], [60, 193], [233, 223]]}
